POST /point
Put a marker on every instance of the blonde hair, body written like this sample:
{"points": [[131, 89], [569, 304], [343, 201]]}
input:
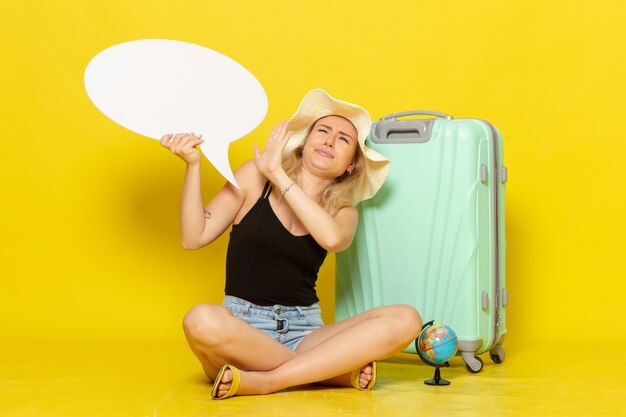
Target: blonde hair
{"points": [[342, 192]]}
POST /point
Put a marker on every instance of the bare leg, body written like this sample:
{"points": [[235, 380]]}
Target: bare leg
{"points": [[217, 337], [318, 336], [332, 352]]}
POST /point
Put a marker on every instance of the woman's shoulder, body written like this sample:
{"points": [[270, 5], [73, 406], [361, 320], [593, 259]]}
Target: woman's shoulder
{"points": [[348, 212], [249, 178]]}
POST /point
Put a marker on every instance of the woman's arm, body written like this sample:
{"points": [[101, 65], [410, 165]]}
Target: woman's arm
{"points": [[332, 233], [202, 225]]}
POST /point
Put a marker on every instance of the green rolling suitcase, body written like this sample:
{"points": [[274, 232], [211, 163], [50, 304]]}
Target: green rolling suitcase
{"points": [[433, 236]]}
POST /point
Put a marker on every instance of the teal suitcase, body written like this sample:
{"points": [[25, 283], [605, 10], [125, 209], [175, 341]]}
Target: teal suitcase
{"points": [[433, 236]]}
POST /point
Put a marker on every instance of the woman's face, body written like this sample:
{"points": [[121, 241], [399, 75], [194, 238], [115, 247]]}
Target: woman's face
{"points": [[330, 147]]}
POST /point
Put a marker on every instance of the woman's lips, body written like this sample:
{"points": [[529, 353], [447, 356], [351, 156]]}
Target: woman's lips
{"points": [[324, 153]]}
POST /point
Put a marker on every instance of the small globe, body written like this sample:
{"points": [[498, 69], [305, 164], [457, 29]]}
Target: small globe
{"points": [[437, 343]]}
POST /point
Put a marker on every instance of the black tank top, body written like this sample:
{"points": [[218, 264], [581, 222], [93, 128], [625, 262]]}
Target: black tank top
{"points": [[266, 264]]}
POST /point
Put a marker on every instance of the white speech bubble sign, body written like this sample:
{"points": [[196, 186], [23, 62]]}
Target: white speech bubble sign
{"points": [[159, 86]]}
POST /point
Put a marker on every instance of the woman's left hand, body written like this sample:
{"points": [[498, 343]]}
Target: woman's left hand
{"points": [[270, 161]]}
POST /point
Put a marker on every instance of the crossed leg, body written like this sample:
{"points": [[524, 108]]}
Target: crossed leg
{"points": [[327, 355], [217, 338]]}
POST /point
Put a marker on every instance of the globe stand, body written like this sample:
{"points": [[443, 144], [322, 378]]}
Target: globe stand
{"points": [[437, 380]]}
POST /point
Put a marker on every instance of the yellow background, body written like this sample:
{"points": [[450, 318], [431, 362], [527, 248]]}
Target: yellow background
{"points": [[90, 246]]}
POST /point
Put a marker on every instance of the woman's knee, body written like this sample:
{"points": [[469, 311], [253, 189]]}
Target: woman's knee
{"points": [[410, 317], [405, 322], [203, 322]]}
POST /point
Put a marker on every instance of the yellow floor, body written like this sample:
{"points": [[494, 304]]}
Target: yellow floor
{"points": [[163, 379]]}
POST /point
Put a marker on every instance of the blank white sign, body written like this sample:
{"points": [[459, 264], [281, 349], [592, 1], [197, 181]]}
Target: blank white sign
{"points": [[158, 86]]}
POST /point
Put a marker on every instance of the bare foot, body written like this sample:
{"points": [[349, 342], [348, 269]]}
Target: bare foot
{"points": [[364, 379], [250, 383]]}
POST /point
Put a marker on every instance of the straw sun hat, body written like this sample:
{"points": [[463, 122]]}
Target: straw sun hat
{"points": [[317, 104]]}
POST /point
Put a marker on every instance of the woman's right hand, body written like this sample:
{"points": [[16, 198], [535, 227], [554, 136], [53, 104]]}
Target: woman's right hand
{"points": [[270, 160], [183, 145]]}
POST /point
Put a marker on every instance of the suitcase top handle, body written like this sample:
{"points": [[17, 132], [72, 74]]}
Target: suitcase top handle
{"points": [[416, 113]]}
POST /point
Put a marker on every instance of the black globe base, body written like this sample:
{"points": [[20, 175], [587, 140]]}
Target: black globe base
{"points": [[437, 380]]}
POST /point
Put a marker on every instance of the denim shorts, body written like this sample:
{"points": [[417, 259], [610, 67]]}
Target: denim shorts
{"points": [[287, 325]]}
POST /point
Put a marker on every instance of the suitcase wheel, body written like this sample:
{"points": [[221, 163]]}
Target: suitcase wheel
{"points": [[496, 359], [497, 354], [472, 362]]}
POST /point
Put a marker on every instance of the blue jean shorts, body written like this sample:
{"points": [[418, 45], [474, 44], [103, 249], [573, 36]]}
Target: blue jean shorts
{"points": [[287, 325]]}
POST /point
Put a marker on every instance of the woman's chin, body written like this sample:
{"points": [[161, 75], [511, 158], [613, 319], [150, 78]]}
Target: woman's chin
{"points": [[324, 170]]}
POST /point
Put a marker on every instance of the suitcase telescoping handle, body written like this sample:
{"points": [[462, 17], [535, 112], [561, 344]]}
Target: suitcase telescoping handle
{"points": [[416, 113]]}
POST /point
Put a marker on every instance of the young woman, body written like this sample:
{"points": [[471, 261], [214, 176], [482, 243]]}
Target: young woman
{"points": [[295, 203]]}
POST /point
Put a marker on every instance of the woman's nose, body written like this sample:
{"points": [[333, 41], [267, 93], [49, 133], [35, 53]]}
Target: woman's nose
{"points": [[330, 141]]}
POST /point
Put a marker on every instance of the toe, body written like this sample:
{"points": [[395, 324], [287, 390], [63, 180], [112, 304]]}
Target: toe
{"points": [[227, 378], [365, 376], [364, 380], [225, 383]]}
